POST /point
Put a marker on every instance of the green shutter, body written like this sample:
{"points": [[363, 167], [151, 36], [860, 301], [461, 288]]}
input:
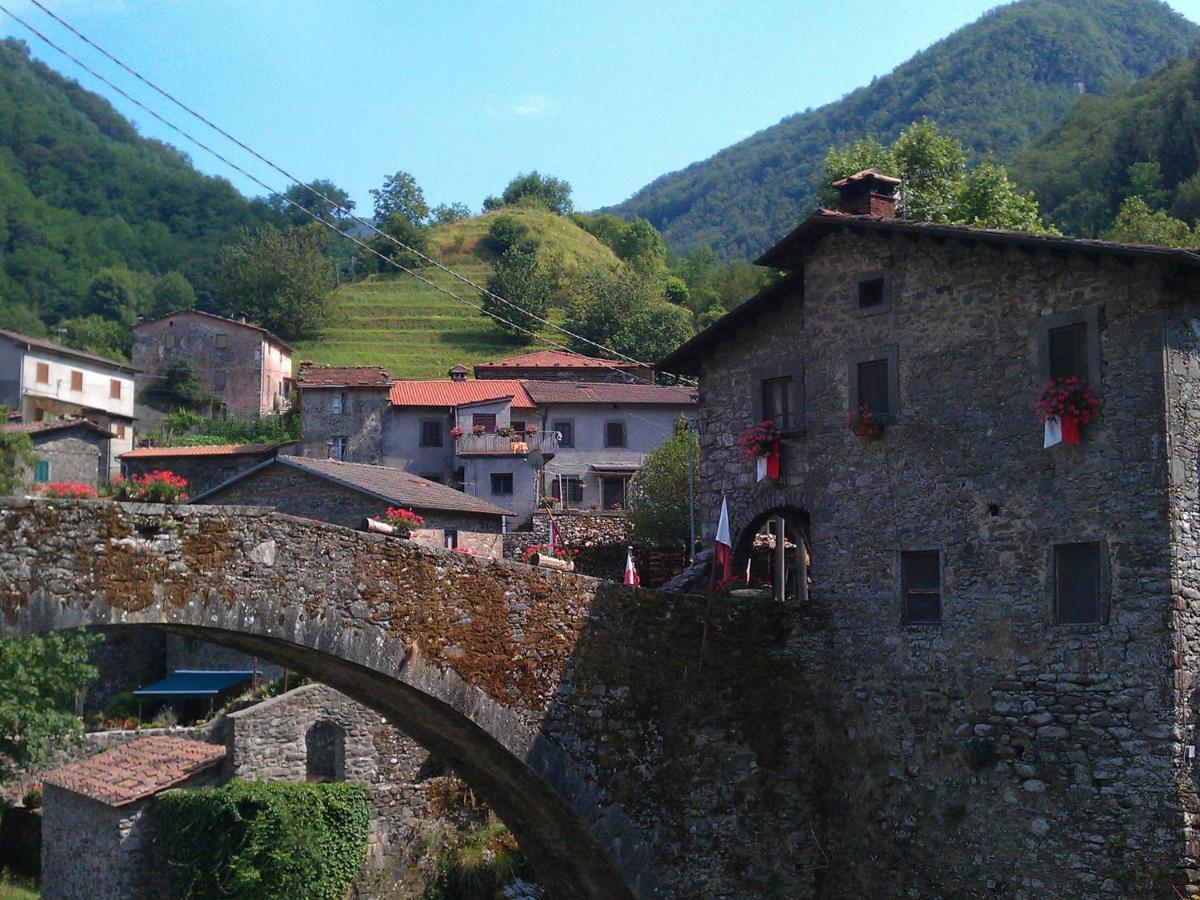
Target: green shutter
{"points": [[41, 470]]}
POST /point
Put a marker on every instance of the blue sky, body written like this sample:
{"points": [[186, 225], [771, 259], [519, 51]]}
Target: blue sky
{"points": [[464, 95]]}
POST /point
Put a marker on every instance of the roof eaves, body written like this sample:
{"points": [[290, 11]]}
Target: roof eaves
{"points": [[200, 312]]}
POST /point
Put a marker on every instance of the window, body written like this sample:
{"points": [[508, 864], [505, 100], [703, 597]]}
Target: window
{"points": [[222, 341], [325, 752], [114, 389], [449, 538], [1069, 344], [41, 470], [39, 414], [517, 426], [43, 373], [220, 379], [612, 491], [121, 432], [614, 434], [76, 380], [874, 383], [487, 420], [431, 433], [568, 488], [1079, 584], [566, 433], [169, 339], [502, 483], [341, 447], [872, 293], [921, 587], [338, 403], [776, 401]]}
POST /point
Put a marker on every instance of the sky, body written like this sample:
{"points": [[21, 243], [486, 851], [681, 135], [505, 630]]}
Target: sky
{"points": [[465, 95]]}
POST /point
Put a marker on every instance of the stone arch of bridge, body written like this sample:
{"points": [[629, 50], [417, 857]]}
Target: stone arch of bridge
{"points": [[580, 842]]}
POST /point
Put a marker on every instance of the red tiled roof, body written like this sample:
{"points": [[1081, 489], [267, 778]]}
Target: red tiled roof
{"points": [[459, 393], [50, 347], [54, 425], [135, 770], [545, 393], [556, 359], [235, 322], [207, 450], [341, 376]]}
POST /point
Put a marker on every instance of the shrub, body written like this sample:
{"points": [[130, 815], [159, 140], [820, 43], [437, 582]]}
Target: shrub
{"points": [[68, 490], [403, 520], [33, 797], [263, 840], [121, 706]]}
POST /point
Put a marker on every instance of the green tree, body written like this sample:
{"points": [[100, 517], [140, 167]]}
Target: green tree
{"points": [[519, 279], [449, 213], [658, 503], [400, 195], [506, 231], [1138, 223], [938, 185], [172, 292], [113, 294], [42, 680], [298, 198], [623, 310], [552, 193], [20, 318], [280, 279], [177, 387], [401, 213], [641, 246], [96, 334], [16, 459]]}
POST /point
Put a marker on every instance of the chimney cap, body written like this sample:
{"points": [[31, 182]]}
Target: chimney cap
{"points": [[867, 175], [867, 193], [459, 373]]}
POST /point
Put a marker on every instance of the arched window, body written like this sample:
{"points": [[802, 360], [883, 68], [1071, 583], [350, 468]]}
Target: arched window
{"points": [[325, 752]]}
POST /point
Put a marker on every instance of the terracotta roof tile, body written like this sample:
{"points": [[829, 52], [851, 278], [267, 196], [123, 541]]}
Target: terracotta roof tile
{"points": [[459, 393], [51, 347], [556, 359], [544, 393], [311, 376], [135, 770], [234, 322], [54, 425], [206, 450]]}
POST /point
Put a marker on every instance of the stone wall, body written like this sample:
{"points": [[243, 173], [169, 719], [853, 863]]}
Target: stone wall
{"points": [[997, 751], [360, 422]]}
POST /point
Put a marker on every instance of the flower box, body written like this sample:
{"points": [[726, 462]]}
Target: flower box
{"points": [[863, 423]]}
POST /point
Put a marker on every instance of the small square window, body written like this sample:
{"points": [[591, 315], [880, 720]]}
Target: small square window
{"points": [[1079, 584], [43, 373], [921, 587], [121, 432], [566, 433], [502, 483], [870, 292], [41, 471], [614, 434], [76, 380], [114, 389], [169, 339], [341, 448], [450, 538], [431, 433], [222, 341]]}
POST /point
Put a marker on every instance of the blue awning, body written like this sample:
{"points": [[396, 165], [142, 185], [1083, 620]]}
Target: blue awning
{"points": [[195, 683]]}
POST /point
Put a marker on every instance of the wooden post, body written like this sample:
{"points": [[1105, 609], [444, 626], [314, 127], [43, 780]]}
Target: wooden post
{"points": [[801, 567], [780, 559]]}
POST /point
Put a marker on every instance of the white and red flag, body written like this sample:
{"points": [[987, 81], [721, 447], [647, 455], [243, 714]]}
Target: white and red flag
{"points": [[723, 548], [768, 466], [631, 575]]}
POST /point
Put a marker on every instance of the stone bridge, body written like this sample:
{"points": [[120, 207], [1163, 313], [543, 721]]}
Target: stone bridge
{"points": [[580, 710]]}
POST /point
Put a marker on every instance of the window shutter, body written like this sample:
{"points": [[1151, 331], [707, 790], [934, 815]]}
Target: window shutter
{"points": [[1078, 584]]}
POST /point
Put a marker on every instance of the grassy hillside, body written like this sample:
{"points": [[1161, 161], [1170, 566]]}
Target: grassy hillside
{"points": [[1081, 170], [415, 331], [997, 84]]}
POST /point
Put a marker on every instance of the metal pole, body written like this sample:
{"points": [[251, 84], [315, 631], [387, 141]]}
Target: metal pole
{"points": [[691, 502]]}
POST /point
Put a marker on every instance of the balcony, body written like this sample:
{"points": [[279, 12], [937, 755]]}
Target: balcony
{"points": [[492, 444]]}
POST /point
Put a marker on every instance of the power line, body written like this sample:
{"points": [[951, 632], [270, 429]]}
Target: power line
{"points": [[345, 210], [291, 202]]}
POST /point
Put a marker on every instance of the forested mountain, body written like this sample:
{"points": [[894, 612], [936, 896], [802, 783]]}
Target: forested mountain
{"points": [[996, 84], [80, 190], [1143, 140]]}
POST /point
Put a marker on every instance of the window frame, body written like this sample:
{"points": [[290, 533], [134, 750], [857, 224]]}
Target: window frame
{"points": [[489, 422], [1092, 317], [793, 370], [609, 445], [41, 373], [114, 389], [1103, 583], [337, 403], [169, 340], [560, 485], [436, 423], [893, 387], [76, 380], [221, 341], [41, 466], [511, 484], [565, 442], [343, 441], [903, 582], [885, 303], [450, 538]]}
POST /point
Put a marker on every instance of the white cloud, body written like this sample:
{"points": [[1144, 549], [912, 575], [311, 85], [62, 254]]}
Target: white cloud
{"points": [[533, 105]]}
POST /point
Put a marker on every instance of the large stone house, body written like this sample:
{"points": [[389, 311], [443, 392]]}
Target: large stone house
{"points": [[1006, 635], [42, 380], [247, 368]]}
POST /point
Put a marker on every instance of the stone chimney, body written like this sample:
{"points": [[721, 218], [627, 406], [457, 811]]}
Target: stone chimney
{"points": [[867, 193], [459, 373]]}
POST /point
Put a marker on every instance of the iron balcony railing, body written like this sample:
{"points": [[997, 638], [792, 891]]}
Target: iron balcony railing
{"points": [[500, 445]]}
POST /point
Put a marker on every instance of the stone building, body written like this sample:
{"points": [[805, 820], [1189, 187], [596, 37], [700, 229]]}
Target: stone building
{"points": [[559, 365], [347, 493], [1007, 635], [246, 367], [341, 412], [204, 467], [97, 841], [66, 449], [41, 381]]}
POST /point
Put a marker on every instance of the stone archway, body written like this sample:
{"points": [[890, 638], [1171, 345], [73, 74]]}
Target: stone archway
{"points": [[422, 637], [788, 572]]}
